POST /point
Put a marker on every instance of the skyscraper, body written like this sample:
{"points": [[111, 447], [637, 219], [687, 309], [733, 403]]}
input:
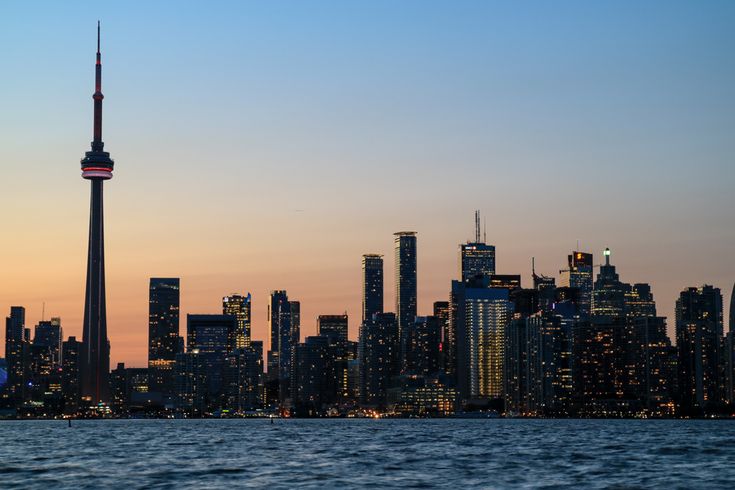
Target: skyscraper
{"points": [[15, 350], [70, 374], [405, 252], [97, 167], [476, 258], [334, 328], [479, 316], [241, 307], [651, 365], [314, 382], [698, 337], [639, 301], [538, 369], [578, 274], [608, 296], [377, 357], [163, 333], [210, 337], [730, 353], [295, 321], [49, 334], [372, 285], [423, 344], [281, 325]]}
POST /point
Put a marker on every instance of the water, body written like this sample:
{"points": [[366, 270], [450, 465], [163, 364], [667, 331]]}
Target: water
{"points": [[368, 453]]}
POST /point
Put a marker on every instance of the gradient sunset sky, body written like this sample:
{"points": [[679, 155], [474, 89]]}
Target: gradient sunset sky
{"points": [[268, 145]]}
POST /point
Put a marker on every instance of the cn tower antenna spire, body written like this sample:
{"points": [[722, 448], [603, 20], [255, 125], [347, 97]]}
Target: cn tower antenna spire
{"points": [[97, 144], [94, 363]]}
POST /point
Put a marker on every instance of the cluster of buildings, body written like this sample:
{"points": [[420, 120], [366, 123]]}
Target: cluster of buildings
{"points": [[589, 346]]}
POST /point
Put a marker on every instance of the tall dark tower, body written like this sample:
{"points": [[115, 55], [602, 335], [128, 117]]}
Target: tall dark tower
{"points": [[97, 167], [406, 284]]}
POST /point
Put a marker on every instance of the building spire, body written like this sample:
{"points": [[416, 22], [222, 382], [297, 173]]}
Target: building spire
{"points": [[97, 144], [97, 163]]}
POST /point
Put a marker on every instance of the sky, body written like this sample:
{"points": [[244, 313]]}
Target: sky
{"points": [[268, 145]]}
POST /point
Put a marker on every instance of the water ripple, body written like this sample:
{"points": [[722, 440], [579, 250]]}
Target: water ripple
{"points": [[321, 454]]}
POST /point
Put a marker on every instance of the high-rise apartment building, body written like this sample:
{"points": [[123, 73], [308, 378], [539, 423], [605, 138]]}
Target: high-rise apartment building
{"points": [[211, 338], [48, 333], [480, 315], [378, 359], [406, 285], [372, 285], [16, 352], [70, 374], [699, 332], [241, 308], [164, 342]]}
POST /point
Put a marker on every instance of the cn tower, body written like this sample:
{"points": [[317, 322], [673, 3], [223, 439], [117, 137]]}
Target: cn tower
{"points": [[96, 167]]}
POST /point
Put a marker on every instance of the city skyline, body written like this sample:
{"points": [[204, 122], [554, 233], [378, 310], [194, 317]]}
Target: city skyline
{"points": [[220, 248]]}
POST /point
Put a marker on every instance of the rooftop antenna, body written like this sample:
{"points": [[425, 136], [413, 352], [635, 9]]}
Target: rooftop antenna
{"points": [[43, 311], [578, 245], [484, 231], [477, 226]]}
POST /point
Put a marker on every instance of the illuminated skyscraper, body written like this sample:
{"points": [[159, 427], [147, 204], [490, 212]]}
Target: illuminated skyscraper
{"points": [[538, 364], [334, 328], [578, 275], [608, 296], [652, 373], [283, 322], [295, 321], [97, 167], [698, 336], [639, 301], [210, 337], [16, 351], [486, 317], [405, 253], [423, 344], [314, 380], [476, 258], [70, 374], [480, 315], [164, 341], [441, 312], [372, 285], [377, 354], [48, 333], [241, 307]]}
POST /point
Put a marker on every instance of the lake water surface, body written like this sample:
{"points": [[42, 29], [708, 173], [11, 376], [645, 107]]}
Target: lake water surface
{"points": [[328, 453]]}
